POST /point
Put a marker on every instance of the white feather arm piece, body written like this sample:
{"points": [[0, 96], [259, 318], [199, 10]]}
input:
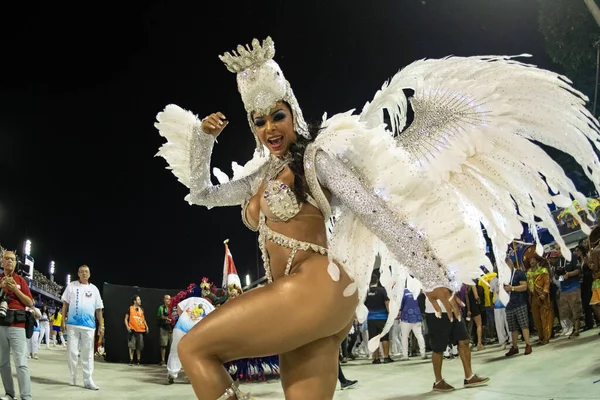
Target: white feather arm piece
{"points": [[188, 151], [220, 175], [177, 125], [472, 147], [256, 162]]}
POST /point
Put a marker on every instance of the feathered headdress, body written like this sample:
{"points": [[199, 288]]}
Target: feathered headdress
{"points": [[261, 83]]}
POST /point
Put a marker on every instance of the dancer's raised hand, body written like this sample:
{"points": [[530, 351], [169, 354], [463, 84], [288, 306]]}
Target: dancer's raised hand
{"points": [[214, 124]]}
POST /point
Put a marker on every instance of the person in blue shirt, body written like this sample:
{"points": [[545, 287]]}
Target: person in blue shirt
{"points": [[410, 320], [569, 303], [516, 309]]}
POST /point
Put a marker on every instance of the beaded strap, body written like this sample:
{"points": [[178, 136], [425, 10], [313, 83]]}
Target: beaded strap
{"points": [[266, 233], [233, 393]]}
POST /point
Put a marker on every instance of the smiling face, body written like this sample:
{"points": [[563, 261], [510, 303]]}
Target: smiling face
{"points": [[276, 129]]}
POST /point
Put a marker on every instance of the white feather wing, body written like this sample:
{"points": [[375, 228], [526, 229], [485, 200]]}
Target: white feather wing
{"points": [[473, 156]]}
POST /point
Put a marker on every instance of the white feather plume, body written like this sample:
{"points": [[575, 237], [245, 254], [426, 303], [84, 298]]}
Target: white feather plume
{"points": [[472, 148], [177, 125]]}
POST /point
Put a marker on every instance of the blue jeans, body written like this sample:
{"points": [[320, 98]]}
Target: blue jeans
{"points": [[13, 339]]}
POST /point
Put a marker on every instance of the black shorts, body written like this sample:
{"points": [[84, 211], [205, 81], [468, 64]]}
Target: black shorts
{"points": [[375, 327], [475, 307], [443, 332]]}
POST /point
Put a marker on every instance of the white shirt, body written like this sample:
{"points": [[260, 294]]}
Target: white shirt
{"points": [[194, 310], [429, 306], [83, 301]]}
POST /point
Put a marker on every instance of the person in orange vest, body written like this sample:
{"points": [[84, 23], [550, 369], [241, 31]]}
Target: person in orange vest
{"points": [[136, 325]]}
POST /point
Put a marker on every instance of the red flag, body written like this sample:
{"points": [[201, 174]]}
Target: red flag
{"points": [[230, 274]]}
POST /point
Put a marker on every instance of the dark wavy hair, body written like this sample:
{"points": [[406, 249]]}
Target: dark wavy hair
{"points": [[297, 150]]}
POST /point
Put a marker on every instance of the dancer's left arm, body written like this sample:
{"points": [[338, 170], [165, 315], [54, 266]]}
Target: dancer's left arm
{"points": [[407, 245]]}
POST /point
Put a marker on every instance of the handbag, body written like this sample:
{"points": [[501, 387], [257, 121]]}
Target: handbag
{"points": [[30, 323]]}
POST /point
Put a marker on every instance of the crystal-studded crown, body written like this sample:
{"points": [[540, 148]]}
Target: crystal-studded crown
{"points": [[247, 57], [261, 83]]}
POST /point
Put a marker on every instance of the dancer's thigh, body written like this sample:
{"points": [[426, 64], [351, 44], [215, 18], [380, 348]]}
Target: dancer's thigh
{"points": [[277, 318]]}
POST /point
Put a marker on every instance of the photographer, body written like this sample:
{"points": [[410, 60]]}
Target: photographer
{"points": [[12, 328]]}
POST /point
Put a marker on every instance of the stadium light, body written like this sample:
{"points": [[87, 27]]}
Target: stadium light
{"points": [[248, 280], [28, 247], [52, 267], [68, 278]]}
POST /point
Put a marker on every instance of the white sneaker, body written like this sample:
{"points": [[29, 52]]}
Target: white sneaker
{"points": [[91, 385], [7, 397], [568, 332]]}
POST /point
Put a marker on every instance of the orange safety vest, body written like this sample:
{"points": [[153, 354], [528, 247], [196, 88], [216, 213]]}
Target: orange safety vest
{"points": [[137, 322]]}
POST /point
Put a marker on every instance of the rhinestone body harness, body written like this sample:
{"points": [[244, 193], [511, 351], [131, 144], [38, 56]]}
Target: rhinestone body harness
{"points": [[265, 233]]}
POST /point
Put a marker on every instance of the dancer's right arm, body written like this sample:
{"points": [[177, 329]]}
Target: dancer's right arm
{"points": [[202, 191], [188, 152]]}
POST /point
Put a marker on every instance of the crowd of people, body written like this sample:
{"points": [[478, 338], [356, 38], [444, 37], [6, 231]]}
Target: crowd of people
{"points": [[40, 281], [548, 296], [327, 197]]}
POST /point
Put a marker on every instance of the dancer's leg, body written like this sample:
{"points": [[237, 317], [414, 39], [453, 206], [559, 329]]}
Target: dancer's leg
{"points": [[275, 319], [309, 372]]}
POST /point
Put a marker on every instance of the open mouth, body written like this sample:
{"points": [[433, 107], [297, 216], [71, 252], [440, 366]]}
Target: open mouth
{"points": [[275, 141]]}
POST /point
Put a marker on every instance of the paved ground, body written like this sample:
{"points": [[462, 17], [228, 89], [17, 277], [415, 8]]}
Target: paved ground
{"points": [[564, 369]]}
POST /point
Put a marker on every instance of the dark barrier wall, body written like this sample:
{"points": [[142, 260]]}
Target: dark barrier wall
{"points": [[117, 300]]}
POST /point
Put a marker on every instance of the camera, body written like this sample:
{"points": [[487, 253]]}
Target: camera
{"points": [[3, 304], [559, 271]]}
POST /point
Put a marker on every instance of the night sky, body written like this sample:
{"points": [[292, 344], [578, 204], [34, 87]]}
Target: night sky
{"points": [[80, 89]]}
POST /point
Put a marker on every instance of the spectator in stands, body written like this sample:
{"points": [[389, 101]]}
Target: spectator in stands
{"points": [[82, 306], [12, 333], [136, 325], [166, 329]]}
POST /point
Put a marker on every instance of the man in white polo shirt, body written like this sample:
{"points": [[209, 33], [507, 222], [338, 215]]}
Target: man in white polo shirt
{"points": [[82, 302]]}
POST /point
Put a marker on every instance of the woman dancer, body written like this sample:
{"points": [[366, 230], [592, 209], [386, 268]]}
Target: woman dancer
{"points": [[422, 194], [45, 325]]}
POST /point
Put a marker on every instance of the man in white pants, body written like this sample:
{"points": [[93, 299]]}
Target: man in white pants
{"points": [[191, 311], [82, 302], [411, 318], [504, 335], [34, 342]]}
